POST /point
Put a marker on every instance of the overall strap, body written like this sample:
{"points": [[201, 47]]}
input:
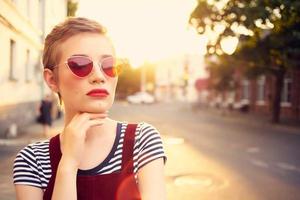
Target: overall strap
{"points": [[128, 148], [55, 153]]}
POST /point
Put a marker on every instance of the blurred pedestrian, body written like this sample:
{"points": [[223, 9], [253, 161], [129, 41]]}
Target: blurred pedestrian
{"points": [[45, 113], [94, 157]]}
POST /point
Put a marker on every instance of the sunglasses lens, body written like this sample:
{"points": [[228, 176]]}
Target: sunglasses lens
{"points": [[80, 66], [110, 67]]}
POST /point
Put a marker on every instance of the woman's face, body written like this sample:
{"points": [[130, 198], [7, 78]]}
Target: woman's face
{"points": [[74, 90]]}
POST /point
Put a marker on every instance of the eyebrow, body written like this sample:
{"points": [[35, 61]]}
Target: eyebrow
{"points": [[85, 55]]}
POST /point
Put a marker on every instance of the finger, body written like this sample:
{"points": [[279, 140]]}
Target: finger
{"points": [[95, 122], [92, 116], [99, 117], [81, 118], [97, 114]]}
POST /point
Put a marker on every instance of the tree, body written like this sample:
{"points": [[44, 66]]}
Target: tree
{"points": [[221, 72], [149, 70], [268, 31], [71, 8], [129, 80]]}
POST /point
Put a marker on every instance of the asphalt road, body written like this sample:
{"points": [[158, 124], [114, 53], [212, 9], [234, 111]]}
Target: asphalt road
{"points": [[210, 156], [252, 159]]}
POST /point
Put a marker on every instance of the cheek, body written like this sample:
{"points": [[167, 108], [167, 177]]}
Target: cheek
{"points": [[114, 86], [69, 87]]}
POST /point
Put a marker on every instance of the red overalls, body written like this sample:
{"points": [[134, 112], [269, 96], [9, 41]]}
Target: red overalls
{"points": [[115, 186]]}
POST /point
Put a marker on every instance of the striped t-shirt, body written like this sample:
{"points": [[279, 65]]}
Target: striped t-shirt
{"points": [[32, 164]]}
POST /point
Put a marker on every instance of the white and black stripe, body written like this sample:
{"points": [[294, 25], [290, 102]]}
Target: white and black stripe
{"points": [[32, 163]]}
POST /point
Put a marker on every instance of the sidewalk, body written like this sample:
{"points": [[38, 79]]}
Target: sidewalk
{"points": [[9, 148], [253, 119], [32, 133], [35, 130]]}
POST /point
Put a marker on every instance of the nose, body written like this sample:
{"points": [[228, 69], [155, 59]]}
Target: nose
{"points": [[97, 75]]}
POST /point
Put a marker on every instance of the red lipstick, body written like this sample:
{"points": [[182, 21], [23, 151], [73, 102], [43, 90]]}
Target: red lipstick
{"points": [[98, 93]]}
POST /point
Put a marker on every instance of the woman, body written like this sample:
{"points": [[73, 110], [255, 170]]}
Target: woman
{"points": [[45, 114], [94, 157]]}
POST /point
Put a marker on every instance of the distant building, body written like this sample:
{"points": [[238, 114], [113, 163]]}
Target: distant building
{"points": [[23, 25], [175, 78], [259, 94]]}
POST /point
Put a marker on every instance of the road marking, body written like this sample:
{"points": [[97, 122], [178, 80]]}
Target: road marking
{"points": [[253, 150], [287, 166], [16, 142], [259, 163], [198, 181], [190, 181], [174, 141], [11, 142]]}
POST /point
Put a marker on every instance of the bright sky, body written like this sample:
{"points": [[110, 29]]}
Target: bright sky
{"points": [[146, 30]]}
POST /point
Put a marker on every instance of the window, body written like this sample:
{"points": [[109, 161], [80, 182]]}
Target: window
{"points": [[261, 88], [27, 66], [41, 15], [286, 91], [245, 90], [28, 9], [12, 60]]}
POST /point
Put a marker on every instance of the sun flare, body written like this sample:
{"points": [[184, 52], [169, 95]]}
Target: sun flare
{"points": [[146, 30]]}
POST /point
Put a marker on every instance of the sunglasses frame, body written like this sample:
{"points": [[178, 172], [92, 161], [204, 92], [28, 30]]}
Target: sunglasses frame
{"points": [[91, 72]]}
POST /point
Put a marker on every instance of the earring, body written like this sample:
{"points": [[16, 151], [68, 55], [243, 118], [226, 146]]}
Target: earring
{"points": [[59, 97]]}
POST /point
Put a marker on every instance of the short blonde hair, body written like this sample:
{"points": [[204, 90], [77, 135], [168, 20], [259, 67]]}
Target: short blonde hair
{"points": [[61, 32]]}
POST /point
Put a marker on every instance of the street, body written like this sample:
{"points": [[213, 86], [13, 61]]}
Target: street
{"points": [[210, 156]]}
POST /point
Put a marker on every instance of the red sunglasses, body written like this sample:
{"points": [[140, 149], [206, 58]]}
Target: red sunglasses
{"points": [[82, 66]]}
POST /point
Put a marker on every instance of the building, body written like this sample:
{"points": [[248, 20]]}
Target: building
{"points": [[259, 93], [23, 25], [175, 77]]}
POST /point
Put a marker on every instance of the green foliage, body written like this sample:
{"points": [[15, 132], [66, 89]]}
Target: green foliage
{"points": [[273, 43], [270, 44], [150, 73], [221, 74], [128, 82], [130, 79]]}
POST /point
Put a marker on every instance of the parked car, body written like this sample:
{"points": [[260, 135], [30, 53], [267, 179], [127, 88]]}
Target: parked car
{"points": [[141, 97]]}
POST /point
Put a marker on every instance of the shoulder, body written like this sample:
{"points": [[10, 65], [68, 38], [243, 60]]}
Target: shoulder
{"points": [[147, 136], [148, 144], [32, 153], [35, 148], [30, 163], [144, 129]]}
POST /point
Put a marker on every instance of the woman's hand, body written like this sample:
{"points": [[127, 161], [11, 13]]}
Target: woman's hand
{"points": [[73, 137], [72, 147]]}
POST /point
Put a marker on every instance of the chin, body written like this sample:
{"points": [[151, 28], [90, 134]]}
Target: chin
{"points": [[97, 108]]}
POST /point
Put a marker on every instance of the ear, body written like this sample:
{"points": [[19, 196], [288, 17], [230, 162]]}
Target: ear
{"points": [[51, 80]]}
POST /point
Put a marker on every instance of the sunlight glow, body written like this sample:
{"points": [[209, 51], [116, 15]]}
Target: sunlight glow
{"points": [[268, 25], [229, 44], [146, 30]]}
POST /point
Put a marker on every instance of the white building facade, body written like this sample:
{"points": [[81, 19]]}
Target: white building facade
{"points": [[23, 25], [176, 77]]}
